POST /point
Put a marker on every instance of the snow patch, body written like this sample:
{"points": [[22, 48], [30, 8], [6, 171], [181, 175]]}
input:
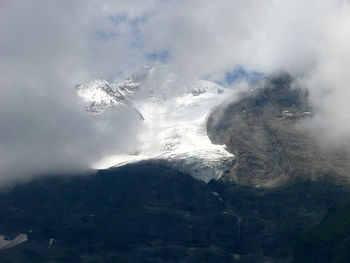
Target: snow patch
{"points": [[6, 243], [51, 241]]}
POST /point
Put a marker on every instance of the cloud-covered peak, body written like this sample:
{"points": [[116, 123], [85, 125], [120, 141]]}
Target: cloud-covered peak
{"points": [[47, 47]]}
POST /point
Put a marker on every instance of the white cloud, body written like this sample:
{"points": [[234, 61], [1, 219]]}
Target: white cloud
{"points": [[309, 39], [328, 82], [47, 47]]}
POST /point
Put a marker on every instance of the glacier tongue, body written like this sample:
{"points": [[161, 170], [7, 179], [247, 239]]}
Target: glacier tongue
{"points": [[174, 128]]}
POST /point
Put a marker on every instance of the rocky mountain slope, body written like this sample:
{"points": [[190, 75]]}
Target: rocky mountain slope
{"points": [[264, 131]]}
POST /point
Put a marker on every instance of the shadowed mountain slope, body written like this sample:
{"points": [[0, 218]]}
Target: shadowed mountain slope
{"points": [[148, 212]]}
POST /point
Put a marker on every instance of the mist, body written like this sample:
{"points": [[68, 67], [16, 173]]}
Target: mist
{"points": [[47, 47]]}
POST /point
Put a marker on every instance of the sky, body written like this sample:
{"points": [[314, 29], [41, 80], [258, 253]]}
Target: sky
{"points": [[47, 47]]}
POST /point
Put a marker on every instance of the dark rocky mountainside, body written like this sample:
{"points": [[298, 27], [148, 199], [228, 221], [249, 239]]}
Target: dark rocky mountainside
{"points": [[262, 129], [149, 213]]}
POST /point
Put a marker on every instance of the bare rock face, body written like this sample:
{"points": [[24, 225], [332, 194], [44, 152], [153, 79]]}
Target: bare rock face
{"points": [[262, 129]]}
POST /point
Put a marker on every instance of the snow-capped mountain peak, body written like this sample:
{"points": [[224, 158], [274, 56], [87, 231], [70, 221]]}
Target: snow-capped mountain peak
{"points": [[173, 119]]}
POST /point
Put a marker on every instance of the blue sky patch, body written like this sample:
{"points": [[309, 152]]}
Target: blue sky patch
{"points": [[159, 56], [240, 73]]}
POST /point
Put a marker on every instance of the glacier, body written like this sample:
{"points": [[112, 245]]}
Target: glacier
{"points": [[173, 116]]}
